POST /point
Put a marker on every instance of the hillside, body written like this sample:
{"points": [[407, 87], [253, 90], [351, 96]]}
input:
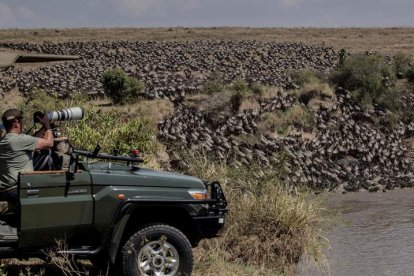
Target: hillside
{"points": [[326, 137], [276, 115]]}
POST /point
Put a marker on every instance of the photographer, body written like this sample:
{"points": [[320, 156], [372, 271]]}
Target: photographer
{"points": [[16, 151]]}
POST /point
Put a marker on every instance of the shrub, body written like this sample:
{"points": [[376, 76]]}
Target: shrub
{"points": [[214, 83], [112, 130], [240, 91], [369, 78], [134, 89], [120, 88], [40, 100], [410, 75], [402, 64], [388, 100], [408, 116], [212, 86], [240, 86], [389, 121]]}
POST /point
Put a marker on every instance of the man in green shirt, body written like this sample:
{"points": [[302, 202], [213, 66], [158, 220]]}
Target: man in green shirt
{"points": [[16, 151]]}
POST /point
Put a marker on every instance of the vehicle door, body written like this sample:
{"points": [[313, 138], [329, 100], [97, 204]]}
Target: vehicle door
{"points": [[55, 205]]}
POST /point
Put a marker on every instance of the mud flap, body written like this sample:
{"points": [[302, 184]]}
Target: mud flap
{"points": [[116, 237]]}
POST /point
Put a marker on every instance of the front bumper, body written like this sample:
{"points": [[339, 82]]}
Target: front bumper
{"points": [[209, 227], [211, 219]]}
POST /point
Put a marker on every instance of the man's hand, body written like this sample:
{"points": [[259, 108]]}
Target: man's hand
{"points": [[44, 120]]}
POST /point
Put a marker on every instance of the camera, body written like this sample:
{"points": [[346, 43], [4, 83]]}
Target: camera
{"points": [[69, 114], [59, 156]]}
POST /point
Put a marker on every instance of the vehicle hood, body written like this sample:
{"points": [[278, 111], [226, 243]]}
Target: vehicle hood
{"points": [[122, 175]]}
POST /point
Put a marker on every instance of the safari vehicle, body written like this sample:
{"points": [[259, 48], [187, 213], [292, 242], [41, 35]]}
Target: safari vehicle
{"points": [[109, 210]]}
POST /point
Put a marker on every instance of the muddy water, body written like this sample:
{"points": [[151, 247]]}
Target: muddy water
{"points": [[375, 237]]}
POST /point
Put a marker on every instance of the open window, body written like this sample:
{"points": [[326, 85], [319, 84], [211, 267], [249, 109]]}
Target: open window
{"points": [[55, 159]]}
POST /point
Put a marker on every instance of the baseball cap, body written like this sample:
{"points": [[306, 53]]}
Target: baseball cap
{"points": [[11, 114]]}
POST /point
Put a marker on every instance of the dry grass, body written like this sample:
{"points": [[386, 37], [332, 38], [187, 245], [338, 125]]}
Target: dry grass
{"points": [[154, 110], [384, 40], [34, 266], [282, 122], [249, 103], [268, 228], [217, 265], [256, 95], [318, 89], [316, 96]]}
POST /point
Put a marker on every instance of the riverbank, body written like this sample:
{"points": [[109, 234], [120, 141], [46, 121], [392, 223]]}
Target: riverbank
{"points": [[275, 122]]}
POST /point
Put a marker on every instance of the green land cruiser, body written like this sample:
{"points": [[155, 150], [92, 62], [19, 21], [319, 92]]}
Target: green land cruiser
{"points": [[111, 211]]}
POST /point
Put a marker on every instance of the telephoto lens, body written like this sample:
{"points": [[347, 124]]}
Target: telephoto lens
{"points": [[69, 114]]}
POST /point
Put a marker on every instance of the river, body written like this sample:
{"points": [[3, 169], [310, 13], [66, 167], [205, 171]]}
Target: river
{"points": [[375, 235]]}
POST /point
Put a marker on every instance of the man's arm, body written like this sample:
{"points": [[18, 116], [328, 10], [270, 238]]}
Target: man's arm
{"points": [[46, 140]]}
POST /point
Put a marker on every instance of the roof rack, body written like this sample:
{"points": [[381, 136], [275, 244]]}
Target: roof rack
{"points": [[109, 156]]}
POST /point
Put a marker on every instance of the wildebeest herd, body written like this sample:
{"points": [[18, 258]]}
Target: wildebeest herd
{"points": [[348, 150], [168, 69]]}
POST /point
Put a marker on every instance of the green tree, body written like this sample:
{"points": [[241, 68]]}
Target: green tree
{"points": [[121, 88]]}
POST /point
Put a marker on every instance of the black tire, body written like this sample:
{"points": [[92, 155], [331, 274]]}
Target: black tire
{"points": [[159, 248]]}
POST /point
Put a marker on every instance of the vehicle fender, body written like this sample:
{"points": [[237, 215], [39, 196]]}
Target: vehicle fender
{"points": [[117, 236], [121, 219]]}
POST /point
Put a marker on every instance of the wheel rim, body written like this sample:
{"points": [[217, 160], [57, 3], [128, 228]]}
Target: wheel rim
{"points": [[158, 258]]}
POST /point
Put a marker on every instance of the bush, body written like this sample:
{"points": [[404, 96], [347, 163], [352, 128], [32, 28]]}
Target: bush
{"points": [[112, 130], [369, 78], [240, 92], [212, 86], [240, 86], [120, 88], [402, 64], [40, 100], [410, 75], [389, 121], [389, 100], [269, 227]]}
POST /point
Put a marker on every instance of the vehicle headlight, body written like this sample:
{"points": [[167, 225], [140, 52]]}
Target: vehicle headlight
{"points": [[198, 194]]}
